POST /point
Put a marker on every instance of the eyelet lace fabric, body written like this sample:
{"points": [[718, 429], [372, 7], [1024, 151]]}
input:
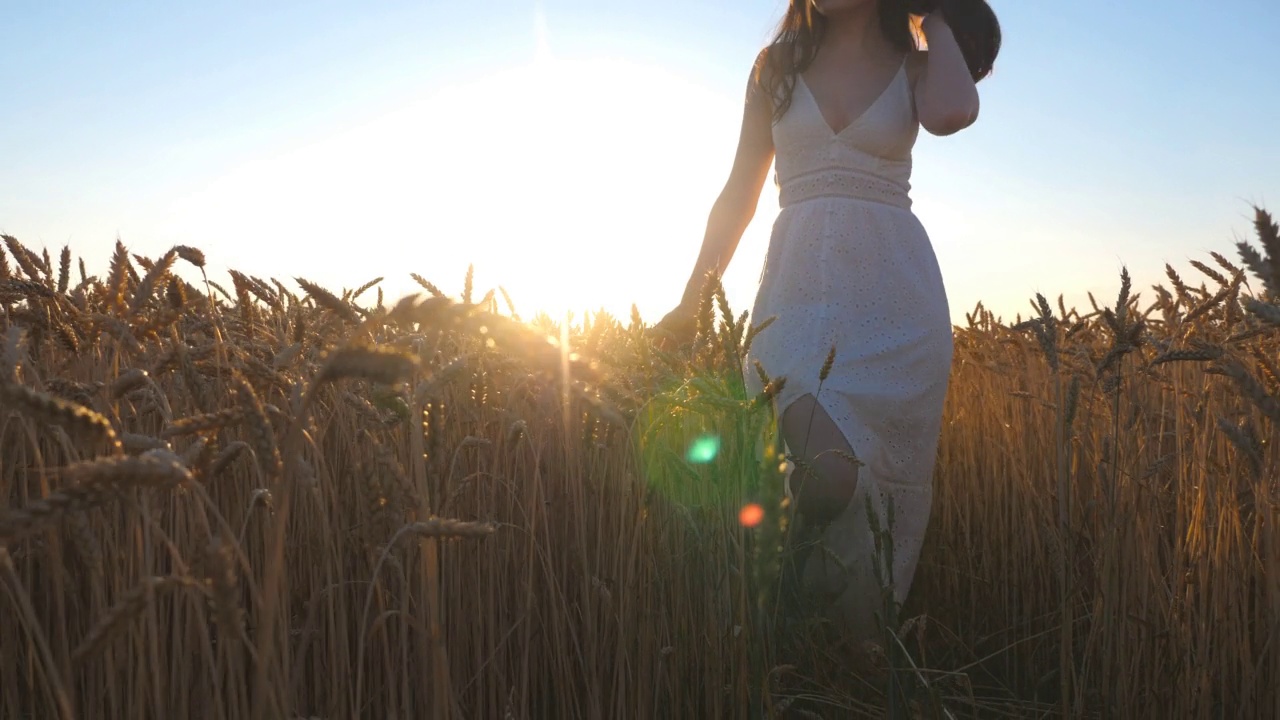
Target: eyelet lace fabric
{"points": [[842, 183], [850, 265]]}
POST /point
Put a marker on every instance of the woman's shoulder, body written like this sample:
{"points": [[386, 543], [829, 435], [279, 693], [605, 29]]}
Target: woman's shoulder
{"points": [[771, 55], [769, 65]]}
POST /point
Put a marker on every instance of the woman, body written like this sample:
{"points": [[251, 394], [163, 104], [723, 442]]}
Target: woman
{"points": [[840, 96]]}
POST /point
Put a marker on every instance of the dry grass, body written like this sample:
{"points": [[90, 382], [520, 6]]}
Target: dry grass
{"points": [[269, 504]]}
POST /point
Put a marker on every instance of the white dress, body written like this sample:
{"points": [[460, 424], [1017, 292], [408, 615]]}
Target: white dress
{"points": [[850, 265]]}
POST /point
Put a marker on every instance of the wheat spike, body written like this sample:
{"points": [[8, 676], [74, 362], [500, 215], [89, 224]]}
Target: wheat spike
{"points": [[118, 280], [196, 456], [128, 381], [511, 307], [1226, 264], [760, 372], [190, 254], [136, 444], [771, 390], [64, 269], [445, 528], [221, 290], [1217, 276], [265, 293], [1191, 355], [1269, 236], [90, 484], [826, 365], [1251, 388], [227, 456], [27, 260], [1245, 439], [1212, 302], [26, 288], [428, 286], [80, 422], [66, 336], [365, 287], [147, 286], [754, 331], [381, 365], [1182, 291], [175, 294], [244, 303], [78, 393], [328, 300], [1267, 312], [263, 438]]}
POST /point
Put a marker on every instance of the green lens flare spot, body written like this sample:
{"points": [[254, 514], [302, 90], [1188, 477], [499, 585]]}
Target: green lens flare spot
{"points": [[704, 449]]}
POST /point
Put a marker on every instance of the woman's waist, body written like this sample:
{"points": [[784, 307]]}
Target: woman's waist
{"points": [[844, 183]]}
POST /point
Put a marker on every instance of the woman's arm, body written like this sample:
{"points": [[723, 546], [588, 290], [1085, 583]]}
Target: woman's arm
{"points": [[946, 95], [736, 205]]}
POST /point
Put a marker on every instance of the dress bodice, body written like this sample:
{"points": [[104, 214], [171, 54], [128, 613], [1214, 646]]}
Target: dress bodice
{"points": [[870, 159]]}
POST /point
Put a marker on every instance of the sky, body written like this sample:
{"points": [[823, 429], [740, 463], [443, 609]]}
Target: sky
{"points": [[571, 150]]}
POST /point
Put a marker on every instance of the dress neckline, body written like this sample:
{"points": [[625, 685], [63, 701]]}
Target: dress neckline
{"points": [[822, 116]]}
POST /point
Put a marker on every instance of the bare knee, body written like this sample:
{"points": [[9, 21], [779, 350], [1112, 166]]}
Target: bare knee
{"points": [[826, 475], [825, 490]]}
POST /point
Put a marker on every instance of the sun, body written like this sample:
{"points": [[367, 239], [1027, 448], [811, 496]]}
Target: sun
{"points": [[575, 183], [603, 171]]}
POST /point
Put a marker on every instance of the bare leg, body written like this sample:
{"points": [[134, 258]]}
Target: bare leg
{"points": [[822, 486], [833, 546], [823, 481]]}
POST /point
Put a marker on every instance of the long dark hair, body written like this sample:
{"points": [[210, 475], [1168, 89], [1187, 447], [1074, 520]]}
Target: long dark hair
{"points": [[795, 44]]}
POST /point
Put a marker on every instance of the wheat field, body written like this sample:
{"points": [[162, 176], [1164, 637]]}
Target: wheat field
{"points": [[278, 501]]}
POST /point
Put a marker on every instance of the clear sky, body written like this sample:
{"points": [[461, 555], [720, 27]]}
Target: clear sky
{"points": [[571, 150]]}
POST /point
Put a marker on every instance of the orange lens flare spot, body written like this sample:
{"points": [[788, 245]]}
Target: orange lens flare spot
{"points": [[751, 515]]}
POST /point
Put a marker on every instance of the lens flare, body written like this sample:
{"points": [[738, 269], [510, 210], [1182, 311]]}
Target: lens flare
{"points": [[704, 449], [751, 515]]}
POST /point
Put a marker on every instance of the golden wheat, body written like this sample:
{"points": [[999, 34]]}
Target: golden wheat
{"points": [[1103, 540]]}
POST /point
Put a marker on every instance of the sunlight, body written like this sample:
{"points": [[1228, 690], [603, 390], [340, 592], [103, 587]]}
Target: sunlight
{"points": [[574, 184]]}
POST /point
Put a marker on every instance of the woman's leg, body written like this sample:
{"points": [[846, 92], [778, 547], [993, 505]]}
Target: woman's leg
{"points": [[824, 479], [835, 547]]}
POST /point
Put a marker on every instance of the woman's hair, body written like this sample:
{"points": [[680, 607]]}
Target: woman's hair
{"points": [[795, 44]]}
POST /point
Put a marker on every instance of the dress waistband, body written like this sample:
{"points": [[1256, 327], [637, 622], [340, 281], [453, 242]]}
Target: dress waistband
{"points": [[843, 184]]}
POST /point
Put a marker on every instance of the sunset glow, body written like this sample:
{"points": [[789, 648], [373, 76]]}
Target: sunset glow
{"points": [[570, 183]]}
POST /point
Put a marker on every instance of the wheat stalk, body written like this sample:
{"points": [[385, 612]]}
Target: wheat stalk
{"points": [[129, 607]]}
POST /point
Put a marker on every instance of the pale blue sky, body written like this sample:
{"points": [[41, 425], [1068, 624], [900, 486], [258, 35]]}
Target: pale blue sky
{"points": [[339, 141]]}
